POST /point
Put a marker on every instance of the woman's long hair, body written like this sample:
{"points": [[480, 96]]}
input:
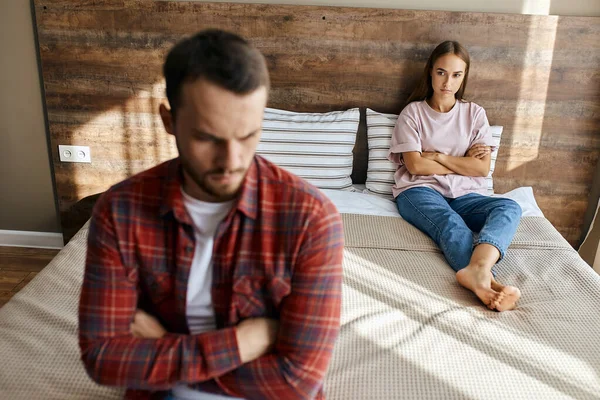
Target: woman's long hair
{"points": [[424, 89]]}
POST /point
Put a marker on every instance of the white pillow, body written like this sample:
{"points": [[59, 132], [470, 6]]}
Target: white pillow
{"points": [[380, 171], [524, 197], [314, 146], [359, 187]]}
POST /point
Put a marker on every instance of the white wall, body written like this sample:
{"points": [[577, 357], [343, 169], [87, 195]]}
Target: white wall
{"points": [[26, 195]]}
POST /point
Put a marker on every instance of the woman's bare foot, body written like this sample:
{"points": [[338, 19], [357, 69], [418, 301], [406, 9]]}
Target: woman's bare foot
{"points": [[478, 280], [507, 298]]}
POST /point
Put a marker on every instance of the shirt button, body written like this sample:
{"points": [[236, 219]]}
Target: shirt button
{"points": [[189, 249]]}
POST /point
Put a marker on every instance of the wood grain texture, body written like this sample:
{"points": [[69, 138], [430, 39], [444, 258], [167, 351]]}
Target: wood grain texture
{"points": [[18, 266], [538, 76]]}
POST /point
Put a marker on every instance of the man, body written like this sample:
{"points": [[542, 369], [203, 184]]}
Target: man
{"points": [[215, 274]]}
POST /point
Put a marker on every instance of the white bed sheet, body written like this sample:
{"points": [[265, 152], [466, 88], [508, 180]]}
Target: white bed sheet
{"points": [[361, 203], [368, 204]]}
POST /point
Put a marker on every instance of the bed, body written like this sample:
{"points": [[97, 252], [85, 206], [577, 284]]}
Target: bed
{"points": [[408, 330]]}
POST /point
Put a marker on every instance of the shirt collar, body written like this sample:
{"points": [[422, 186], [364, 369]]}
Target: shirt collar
{"points": [[173, 199], [248, 200]]}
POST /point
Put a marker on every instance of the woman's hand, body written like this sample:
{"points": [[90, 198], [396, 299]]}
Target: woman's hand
{"points": [[479, 151], [430, 155], [145, 326]]}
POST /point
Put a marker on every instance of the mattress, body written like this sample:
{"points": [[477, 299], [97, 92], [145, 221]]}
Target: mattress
{"points": [[408, 329]]}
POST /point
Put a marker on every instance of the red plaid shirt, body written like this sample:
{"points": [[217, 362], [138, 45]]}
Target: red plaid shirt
{"points": [[277, 254]]}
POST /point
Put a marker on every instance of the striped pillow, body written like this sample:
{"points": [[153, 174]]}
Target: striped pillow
{"points": [[314, 146], [380, 171]]}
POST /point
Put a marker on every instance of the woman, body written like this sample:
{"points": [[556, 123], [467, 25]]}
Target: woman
{"points": [[442, 145]]}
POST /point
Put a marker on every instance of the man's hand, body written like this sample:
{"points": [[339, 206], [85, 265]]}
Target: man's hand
{"points": [[479, 151], [256, 337], [145, 326]]}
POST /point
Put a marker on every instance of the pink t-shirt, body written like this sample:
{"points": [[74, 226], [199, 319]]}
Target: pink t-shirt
{"points": [[421, 128]]}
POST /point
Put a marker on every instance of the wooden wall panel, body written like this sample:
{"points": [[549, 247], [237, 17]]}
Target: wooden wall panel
{"points": [[538, 76]]}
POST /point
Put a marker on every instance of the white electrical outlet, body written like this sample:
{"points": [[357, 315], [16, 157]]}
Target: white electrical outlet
{"points": [[74, 154]]}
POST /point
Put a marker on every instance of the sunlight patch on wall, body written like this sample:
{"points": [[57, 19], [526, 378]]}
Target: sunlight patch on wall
{"points": [[540, 7], [535, 80], [126, 139]]}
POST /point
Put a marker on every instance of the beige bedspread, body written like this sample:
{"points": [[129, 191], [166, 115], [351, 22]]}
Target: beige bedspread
{"points": [[408, 330]]}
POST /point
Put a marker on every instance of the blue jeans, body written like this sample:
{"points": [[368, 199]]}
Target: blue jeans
{"points": [[451, 223]]}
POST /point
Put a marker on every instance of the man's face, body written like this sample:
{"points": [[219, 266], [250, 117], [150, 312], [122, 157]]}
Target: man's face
{"points": [[216, 132]]}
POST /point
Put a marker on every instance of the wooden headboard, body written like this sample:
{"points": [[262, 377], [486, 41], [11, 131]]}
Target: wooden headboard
{"points": [[538, 76]]}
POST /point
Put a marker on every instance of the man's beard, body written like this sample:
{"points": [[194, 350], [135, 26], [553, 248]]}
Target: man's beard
{"points": [[201, 181]]}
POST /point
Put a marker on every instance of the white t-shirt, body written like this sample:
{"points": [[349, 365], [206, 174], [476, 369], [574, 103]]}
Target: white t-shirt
{"points": [[421, 128], [200, 312]]}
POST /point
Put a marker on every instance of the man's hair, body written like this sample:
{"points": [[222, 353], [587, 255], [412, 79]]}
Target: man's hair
{"points": [[219, 57]]}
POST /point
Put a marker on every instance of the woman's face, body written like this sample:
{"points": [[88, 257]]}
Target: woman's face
{"points": [[447, 75]]}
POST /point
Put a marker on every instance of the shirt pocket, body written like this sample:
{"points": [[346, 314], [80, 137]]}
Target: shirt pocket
{"points": [[258, 296]]}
